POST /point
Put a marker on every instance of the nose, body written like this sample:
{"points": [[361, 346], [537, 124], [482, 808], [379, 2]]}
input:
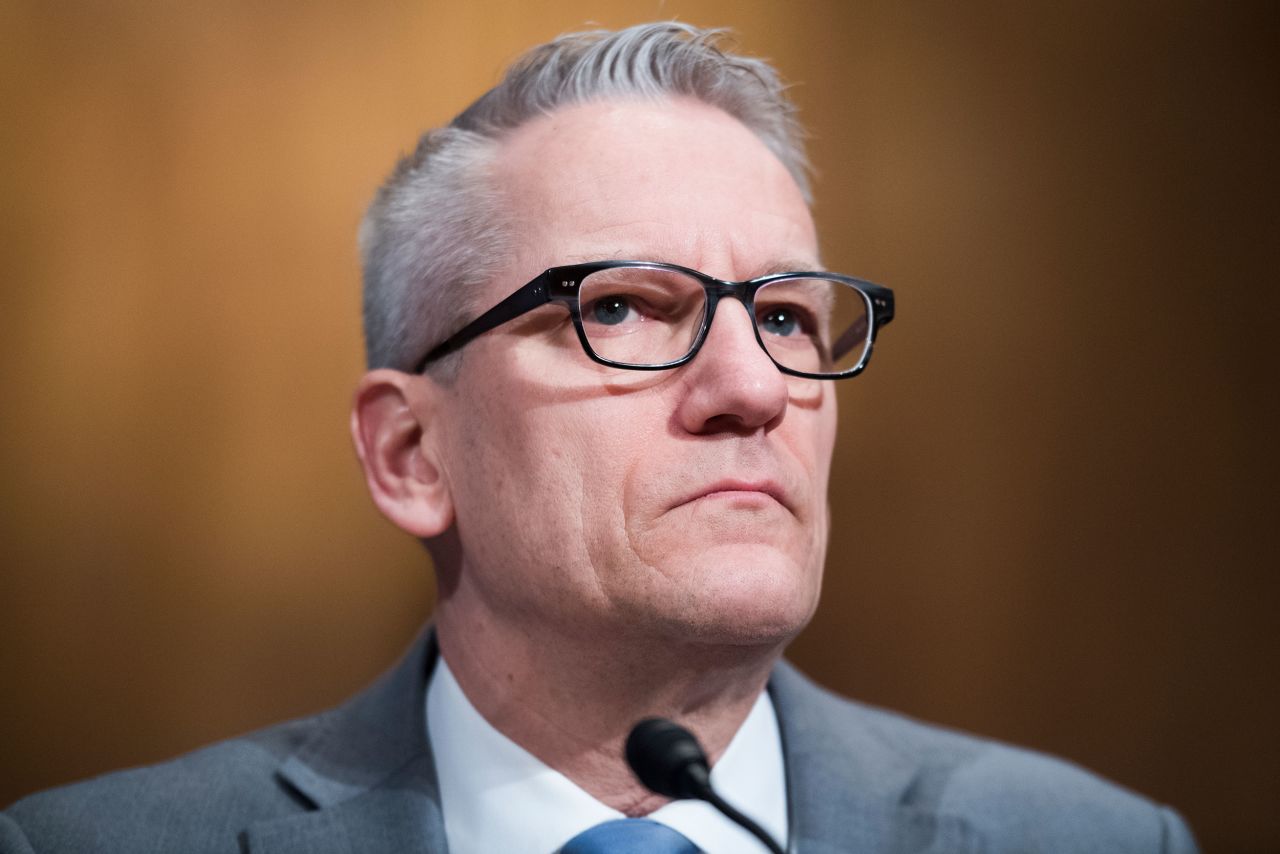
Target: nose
{"points": [[732, 384]]}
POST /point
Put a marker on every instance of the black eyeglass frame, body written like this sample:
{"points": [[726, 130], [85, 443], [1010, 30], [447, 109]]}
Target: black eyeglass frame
{"points": [[560, 284]]}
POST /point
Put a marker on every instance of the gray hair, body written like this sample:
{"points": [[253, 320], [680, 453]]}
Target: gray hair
{"points": [[438, 222]]}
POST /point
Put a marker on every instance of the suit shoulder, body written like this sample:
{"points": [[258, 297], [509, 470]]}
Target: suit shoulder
{"points": [[196, 802], [1016, 799]]}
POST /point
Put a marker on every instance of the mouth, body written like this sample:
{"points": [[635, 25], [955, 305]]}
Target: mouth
{"points": [[732, 489]]}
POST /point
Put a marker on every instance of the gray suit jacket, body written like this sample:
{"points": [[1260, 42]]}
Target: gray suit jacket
{"points": [[360, 778]]}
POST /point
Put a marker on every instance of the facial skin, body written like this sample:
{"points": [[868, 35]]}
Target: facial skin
{"points": [[615, 544], [675, 507]]}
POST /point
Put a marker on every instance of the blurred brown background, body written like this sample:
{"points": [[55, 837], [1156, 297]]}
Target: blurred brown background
{"points": [[1054, 502]]}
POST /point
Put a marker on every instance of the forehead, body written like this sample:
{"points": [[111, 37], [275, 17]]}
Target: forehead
{"points": [[674, 180]]}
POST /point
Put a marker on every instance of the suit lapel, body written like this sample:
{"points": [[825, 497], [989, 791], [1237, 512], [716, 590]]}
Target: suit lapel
{"points": [[369, 777], [367, 774], [849, 789], [398, 815]]}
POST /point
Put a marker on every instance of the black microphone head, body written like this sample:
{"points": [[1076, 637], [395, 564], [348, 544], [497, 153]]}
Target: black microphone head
{"points": [[668, 759]]}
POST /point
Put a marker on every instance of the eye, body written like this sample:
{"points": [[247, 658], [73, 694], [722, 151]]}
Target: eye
{"points": [[780, 321], [611, 310]]}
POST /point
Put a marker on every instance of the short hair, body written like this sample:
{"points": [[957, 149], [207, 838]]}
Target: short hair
{"points": [[438, 222]]}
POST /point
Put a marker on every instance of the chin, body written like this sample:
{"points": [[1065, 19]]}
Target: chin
{"points": [[763, 635], [759, 602]]}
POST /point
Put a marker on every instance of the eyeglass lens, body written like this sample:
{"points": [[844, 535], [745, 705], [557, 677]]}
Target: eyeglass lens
{"points": [[644, 316]]}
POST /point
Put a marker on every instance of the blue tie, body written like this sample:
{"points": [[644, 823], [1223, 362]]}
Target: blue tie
{"points": [[629, 836]]}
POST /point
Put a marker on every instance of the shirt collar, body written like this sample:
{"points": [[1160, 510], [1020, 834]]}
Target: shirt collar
{"points": [[496, 796]]}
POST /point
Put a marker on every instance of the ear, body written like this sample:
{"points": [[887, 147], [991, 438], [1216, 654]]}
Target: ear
{"points": [[392, 425]]}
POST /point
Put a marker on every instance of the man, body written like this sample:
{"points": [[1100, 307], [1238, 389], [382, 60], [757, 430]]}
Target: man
{"points": [[620, 469]]}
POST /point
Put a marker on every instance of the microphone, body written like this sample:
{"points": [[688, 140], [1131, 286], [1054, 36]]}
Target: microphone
{"points": [[668, 760]]}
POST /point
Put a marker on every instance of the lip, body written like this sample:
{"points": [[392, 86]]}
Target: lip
{"points": [[732, 486]]}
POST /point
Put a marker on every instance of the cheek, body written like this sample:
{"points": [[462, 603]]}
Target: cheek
{"points": [[613, 463], [826, 446], [542, 481], [820, 437]]}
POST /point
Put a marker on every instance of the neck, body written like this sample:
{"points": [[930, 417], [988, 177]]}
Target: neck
{"points": [[571, 699]]}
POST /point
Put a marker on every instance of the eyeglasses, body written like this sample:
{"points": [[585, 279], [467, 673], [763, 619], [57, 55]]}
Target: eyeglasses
{"points": [[650, 316]]}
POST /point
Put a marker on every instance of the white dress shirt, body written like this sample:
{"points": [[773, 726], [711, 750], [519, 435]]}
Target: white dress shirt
{"points": [[496, 796]]}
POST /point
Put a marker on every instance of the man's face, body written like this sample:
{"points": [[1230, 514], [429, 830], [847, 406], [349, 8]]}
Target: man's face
{"points": [[687, 504]]}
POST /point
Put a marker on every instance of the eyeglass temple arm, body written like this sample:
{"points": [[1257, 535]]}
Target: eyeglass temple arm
{"points": [[526, 299], [881, 306]]}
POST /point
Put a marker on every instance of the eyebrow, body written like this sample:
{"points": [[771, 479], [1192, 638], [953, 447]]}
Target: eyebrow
{"points": [[792, 266], [768, 269]]}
